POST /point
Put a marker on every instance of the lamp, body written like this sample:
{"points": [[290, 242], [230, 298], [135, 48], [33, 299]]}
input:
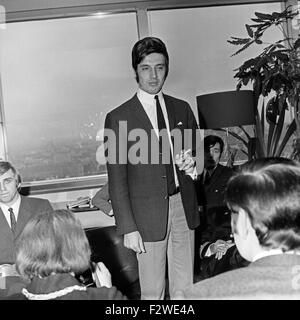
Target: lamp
{"points": [[226, 109]]}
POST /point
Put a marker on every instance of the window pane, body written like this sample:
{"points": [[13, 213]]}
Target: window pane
{"points": [[60, 77], [200, 56]]}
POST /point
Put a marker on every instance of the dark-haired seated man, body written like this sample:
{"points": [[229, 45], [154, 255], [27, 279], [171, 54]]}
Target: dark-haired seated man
{"points": [[265, 206], [15, 211], [218, 252]]}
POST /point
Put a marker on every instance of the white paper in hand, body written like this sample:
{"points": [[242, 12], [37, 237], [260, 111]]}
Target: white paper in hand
{"points": [[101, 275]]}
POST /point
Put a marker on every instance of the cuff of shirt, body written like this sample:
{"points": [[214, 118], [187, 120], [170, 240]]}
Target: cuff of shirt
{"points": [[205, 250]]}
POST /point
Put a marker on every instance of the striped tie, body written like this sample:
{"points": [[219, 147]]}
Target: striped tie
{"points": [[13, 222]]}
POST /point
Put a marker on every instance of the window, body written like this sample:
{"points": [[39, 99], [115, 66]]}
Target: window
{"points": [[59, 79], [200, 57]]}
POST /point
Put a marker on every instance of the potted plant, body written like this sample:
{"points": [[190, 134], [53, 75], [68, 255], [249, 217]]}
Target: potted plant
{"points": [[275, 75]]}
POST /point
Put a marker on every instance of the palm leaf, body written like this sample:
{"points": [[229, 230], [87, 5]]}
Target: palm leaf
{"points": [[245, 132], [260, 136], [288, 134], [243, 48], [270, 137], [262, 118], [264, 16], [278, 130]]}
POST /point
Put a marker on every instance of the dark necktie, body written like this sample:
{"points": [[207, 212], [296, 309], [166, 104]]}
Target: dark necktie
{"points": [[161, 124], [13, 222], [206, 178]]}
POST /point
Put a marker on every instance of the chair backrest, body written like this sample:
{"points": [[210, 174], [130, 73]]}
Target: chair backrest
{"points": [[122, 263]]}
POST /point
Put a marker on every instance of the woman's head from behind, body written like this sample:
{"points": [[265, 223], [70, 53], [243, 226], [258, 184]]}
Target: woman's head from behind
{"points": [[265, 205], [52, 242]]}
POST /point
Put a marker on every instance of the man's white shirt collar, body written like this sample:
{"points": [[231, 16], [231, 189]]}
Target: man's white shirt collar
{"points": [[148, 98], [272, 252]]}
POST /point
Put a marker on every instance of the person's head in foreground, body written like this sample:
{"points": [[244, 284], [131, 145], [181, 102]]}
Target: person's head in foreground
{"points": [[265, 203], [51, 243]]}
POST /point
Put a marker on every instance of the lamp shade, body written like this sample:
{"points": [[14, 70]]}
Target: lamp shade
{"points": [[226, 109]]}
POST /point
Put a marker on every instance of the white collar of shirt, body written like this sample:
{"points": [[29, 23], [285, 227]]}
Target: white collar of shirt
{"points": [[149, 104], [271, 253], [15, 207]]}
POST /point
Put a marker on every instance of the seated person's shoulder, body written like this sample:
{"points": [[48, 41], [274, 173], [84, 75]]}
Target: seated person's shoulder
{"points": [[104, 293], [37, 202]]}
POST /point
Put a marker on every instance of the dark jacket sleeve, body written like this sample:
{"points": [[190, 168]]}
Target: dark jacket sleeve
{"points": [[118, 176], [47, 205], [102, 199]]}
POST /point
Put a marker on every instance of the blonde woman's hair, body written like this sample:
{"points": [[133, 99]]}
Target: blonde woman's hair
{"points": [[52, 242]]}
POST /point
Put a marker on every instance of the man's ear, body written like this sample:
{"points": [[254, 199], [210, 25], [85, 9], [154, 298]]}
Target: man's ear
{"points": [[18, 181], [243, 224]]}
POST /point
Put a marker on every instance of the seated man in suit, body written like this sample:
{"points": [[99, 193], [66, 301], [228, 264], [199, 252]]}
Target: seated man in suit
{"points": [[15, 211], [217, 250], [265, 206]]}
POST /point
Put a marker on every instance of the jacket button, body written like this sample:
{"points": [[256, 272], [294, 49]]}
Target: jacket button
{"points": [[166, 197], [164, 176]]}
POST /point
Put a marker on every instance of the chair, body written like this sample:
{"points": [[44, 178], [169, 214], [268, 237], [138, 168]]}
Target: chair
{"points": [[107, 246]]}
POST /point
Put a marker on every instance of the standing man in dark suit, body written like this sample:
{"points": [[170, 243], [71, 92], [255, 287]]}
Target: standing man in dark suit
{"points": [[265, 212], [154, 202], [15, 211], [217, 250]]}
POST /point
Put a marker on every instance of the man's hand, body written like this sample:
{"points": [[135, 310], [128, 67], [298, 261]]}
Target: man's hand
{"points": [[185, 162], [134, 241], [219, 248]]}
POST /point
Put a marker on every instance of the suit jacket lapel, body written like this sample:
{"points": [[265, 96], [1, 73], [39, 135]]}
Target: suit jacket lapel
{"points": [[140, 113], [5, 228], [25, 212], [171, 112]]}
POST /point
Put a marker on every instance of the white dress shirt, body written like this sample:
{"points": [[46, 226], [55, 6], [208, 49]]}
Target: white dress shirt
{"points": [[15, 207], [149, 104]]}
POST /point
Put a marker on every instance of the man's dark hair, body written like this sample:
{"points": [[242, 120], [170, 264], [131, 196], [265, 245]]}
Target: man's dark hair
{"points": [[146, 46], [211, 140], [270, 194]]}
